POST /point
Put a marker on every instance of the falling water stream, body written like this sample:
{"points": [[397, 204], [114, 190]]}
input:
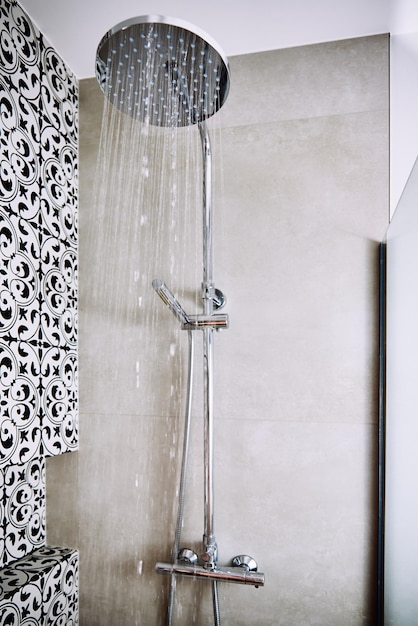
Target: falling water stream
{"points": [[146, 223]]}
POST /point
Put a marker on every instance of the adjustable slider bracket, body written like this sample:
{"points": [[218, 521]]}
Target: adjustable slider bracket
{"points": [[199, 322]]}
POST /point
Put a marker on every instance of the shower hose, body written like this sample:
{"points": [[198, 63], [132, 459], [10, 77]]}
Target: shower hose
{"points": [[182, 494]]}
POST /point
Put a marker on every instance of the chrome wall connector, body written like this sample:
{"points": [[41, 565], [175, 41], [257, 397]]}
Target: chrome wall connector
{"points": [[214, 295], [209, 556], [187, 556], [246, 562]]}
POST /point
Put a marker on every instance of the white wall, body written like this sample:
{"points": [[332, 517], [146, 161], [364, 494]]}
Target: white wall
{"points": [[401, 509], [403, 93], [76, 27], [401, 501]]}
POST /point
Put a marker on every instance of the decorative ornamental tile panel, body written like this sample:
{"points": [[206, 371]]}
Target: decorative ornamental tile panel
{"points": [[58, 250], [20, 433], [2, 516], [41, 590], [58, 299], [24, 607], [38, 276], [38, 248], [23, 520]]}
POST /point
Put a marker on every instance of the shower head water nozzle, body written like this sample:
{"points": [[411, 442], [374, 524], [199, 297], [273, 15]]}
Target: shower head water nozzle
{"points": [[162, 71]]}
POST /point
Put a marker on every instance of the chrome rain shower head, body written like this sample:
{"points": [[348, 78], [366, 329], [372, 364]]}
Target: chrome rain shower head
{"points": [[162, 71]]}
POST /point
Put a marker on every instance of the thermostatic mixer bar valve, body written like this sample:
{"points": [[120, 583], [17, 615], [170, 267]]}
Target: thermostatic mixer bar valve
{"points": [[239, 575]]}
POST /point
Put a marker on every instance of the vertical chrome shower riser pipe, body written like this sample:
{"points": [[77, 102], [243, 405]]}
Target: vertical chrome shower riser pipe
{"points": [[210, 550], [209, 554], [207, 284]]}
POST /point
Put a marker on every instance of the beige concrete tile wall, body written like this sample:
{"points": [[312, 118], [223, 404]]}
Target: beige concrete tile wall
{"points": [[301, 205]]}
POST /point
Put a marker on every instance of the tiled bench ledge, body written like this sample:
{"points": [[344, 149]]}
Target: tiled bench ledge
{"points": [[41, 589]]}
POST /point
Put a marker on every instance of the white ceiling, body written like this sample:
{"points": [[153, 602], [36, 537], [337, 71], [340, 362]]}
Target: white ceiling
{"points": [[75, 27]]}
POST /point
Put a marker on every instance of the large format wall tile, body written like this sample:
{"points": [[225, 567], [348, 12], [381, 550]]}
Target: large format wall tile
{"points": [[307, 81], [302, 202]]}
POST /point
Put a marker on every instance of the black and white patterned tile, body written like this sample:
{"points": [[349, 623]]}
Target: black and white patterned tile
{"points": [[19, 252], [23, 519], [38, 263], [41, 590], [38, 275]]}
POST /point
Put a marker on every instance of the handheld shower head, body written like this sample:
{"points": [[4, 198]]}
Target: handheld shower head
{"points": [[170, 300], [188, 322], [162, 71]]}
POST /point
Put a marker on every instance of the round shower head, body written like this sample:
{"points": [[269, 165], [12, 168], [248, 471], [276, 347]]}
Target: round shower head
{"points": [[162, 71]]}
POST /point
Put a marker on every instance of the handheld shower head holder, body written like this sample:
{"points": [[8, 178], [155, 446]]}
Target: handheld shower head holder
{"points": [[188, 322], [217, 321]]}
